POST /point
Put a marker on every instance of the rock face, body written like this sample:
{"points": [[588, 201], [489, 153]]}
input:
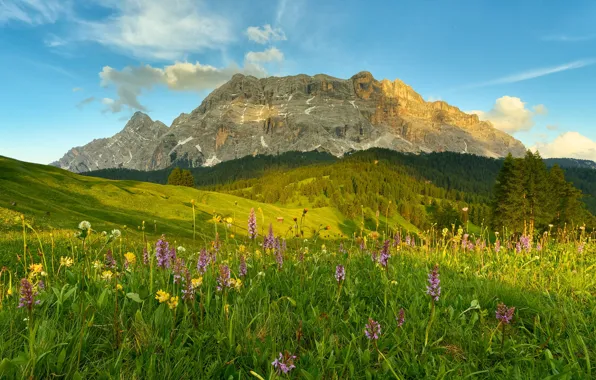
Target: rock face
{"points": [[249, 116]]}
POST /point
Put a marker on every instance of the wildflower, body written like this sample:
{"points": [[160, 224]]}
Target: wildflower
{"points": [[109, 261], [203, 261], [252, 224], [118, 287], [498, 246], [130, 258], [196, 282], [173, 302], [27, 295], [526, 243], [236, 283], [433, 289], [181, 249], [145, 256], [223, 280], [241, 248], [340, 273], [116, 234], [261, 274], [106, 275], [401, 317], [518, 247], [372, 330], [269, 240], [342, 249], [397, 239], [242, 270], [66, 261], [97, 264], [162, 254], [374, 235], [279, 257], [285, 363], [162, 296], [35, 268], [504, 314], [408, 239], [216, 244], [384, 258], [178, 270], [580, 247], [539, 247], [189, 289], [84, 225], [41, 285]]}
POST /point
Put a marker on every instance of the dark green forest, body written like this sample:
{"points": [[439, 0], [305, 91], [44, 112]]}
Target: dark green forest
{"points": [[425, 189]]}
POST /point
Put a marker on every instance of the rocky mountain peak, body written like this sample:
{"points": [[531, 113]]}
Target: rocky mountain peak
{"points": [[249, 115]]}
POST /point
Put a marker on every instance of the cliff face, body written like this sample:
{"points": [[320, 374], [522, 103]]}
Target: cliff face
{"points": [[248, 116]]}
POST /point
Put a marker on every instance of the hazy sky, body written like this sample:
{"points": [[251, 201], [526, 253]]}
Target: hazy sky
{"points": [[72, 71]]}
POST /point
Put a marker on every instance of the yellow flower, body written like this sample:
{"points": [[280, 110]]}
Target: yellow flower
{"points": [[107, 275], [237, 284], [227, 309], [229, 220], [9, 292], [118, 287], [162, 296], [130, 257], [257, 253], [66, 261], [173, 302], [393, 282], [97, 264], [196, 282], [35, 268], [232, 236], [241, 248]]}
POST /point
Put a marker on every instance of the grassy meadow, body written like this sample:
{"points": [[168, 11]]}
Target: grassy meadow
{"points": [[89, 288]]}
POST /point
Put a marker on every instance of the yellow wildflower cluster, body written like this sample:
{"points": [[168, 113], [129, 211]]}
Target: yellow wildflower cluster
{"points": [[97, 264], [236, 283], [130, 258], [196, 282], [162, 296], [66, 261], [241, 248], [106, 275], [173, 302], [35, 269]]}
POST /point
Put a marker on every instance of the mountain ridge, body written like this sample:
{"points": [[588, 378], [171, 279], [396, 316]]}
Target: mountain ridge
{"points": [[250, 116]]}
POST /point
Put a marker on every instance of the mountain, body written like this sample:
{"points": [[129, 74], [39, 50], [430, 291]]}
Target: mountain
{"points": [[250, 116], [569, 163]]}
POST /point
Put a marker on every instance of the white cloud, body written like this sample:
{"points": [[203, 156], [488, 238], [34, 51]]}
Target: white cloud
{"points": [[510, 114], [53, 41], [535, 73], [568, 145], [552, 127], [157, 29], [266, 33], [85, 101], [33, 12], [269, 55], [77, 89], [131, 81]]}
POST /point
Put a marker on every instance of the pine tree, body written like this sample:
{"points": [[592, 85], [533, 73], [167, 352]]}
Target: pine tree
{"points": [[175, 177], [509, 201], [538, 193], [187, 179]]}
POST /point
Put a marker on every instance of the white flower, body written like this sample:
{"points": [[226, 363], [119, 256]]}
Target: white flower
{"points": [[116, 234], [181, 249], [84, 225], [44, 273], [261, 274], [103, 233]]}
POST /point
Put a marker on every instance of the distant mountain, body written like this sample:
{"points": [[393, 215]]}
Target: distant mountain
{"points": [[571, 163], [249, 116]]}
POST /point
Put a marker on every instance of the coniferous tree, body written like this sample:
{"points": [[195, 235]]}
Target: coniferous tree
{"points": [[509, 203], [175, 177]]}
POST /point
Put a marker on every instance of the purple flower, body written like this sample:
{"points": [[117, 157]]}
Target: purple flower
{"points": [[518, 247], [341, 248], [539, 247], [384, 259], [223, 280], [242, 270], [41, 285], [408, 239], [372, 330], [203, 262], [178, 270], [340, 273], [284, 364], [498, 246], [145, 256], [464, 242], [27, 295], [216, 245], [397, 239], [109, 260], [504, 314], [278, 254], [269, 240], [580, 247], [188, 293], [162, 252], [401, 317], [526, 243], [433, 289], [252, 224]]}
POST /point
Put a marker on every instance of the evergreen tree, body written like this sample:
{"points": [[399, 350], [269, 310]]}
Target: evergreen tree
{"points": [[175, 177], [187, 179], [509, 203]]}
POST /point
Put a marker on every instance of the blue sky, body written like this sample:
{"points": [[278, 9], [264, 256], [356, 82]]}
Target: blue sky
{"points": [[72, 71]]}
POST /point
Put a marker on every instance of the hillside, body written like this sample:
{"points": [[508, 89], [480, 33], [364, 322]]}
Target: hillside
{"points": [[248, 116], [53, 198]]}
